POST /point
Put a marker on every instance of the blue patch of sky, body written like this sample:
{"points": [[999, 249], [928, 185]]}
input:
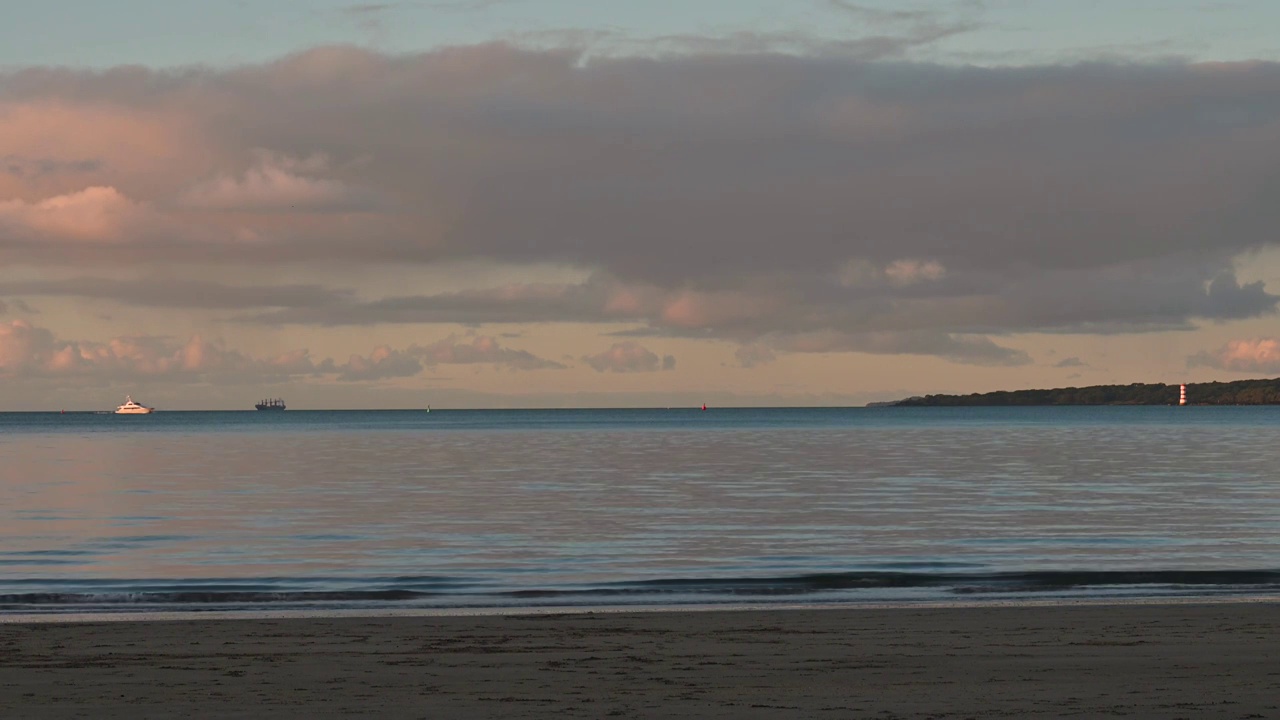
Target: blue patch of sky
{"points": [[95, 33]]}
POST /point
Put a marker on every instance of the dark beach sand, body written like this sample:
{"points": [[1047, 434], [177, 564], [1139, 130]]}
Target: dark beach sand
{"points": [[1143, 661]]}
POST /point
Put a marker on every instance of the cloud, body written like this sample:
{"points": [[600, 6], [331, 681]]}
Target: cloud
{"points": [[854, 33], [368, 8], [909, 272], [965, 349], [914, 27], [277, 184], [28, 167], [382, 363], [878, 15], [628, 357], [28, 351], [17, 304], [480, 349], [1226, 299], [1142, 296], [97, 213], [169, 292], [1256, 355], [386, 362], [1070, 362], [734, 192], [516, 302], [22, 345]]}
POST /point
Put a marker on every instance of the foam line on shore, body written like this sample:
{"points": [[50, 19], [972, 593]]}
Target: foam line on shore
{"points": [[373, 613]]}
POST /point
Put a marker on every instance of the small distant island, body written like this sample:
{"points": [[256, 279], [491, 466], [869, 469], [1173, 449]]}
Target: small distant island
{"points": [[1239, 392]]}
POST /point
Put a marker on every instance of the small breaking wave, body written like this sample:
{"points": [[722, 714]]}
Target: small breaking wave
{"points": [[36, 596]]}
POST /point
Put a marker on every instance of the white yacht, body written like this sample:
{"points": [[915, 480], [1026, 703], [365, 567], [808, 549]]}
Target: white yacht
{"points": [[132, 408]]}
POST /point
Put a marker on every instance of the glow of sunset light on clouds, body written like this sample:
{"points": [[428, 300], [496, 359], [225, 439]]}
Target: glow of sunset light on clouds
{"points": [[631, 206]]}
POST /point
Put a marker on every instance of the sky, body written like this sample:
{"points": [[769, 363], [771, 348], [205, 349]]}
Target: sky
{"points": [[546, 203]]}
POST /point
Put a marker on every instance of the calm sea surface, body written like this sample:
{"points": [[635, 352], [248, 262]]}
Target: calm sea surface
{"points": [[485, 508]]}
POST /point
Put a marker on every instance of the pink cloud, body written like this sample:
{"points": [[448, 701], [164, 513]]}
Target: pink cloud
{"points": [[909, 272], [276, 183], [27, 350], [629, 357], [30, 351], [97, 213], [630, 301], [133, 356], [691, 309], [1256, 355]]}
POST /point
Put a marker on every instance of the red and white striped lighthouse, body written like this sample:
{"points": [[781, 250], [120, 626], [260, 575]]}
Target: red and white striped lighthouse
{"points": [[1182, 394]]}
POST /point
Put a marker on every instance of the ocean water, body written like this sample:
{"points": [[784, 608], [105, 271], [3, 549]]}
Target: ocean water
{"points": [[335, 510]]}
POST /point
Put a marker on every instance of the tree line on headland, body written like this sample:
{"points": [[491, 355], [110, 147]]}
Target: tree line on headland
{"points": [[1239, 392]]}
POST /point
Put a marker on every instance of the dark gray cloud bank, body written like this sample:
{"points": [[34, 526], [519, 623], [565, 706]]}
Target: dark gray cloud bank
{"points": [[788, 203]]}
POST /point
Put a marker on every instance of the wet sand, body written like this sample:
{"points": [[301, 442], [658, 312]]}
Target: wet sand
{"points": [[1143, 661]]}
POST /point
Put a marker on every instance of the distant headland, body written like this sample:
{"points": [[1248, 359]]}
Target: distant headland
{"points": [[1239, 392]]}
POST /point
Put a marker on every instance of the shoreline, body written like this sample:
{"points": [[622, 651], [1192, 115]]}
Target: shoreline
{"points": [[499, 611], [125, 616], [1191, 659]]}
